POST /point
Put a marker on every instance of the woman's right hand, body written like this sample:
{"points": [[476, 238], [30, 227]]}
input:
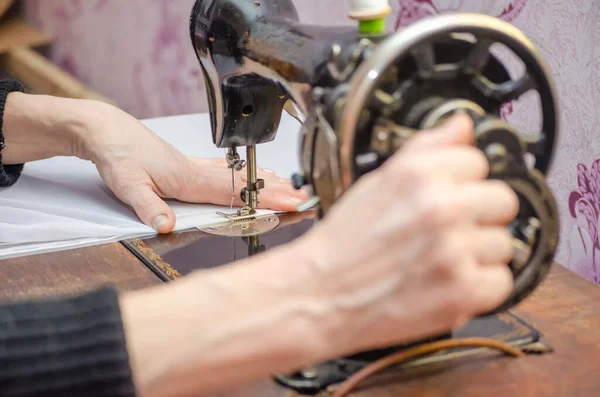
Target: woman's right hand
{"points": [[415, 248]]}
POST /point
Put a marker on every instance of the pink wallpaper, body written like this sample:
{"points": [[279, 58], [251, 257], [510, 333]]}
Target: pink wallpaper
{"points": [[139, 52]]}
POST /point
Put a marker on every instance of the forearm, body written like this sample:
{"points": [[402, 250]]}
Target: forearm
{"points": [[37, 127], [219, 329]]}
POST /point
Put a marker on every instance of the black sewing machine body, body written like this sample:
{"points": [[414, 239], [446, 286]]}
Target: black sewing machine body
{"points": [[360, 97], [256, 56]]}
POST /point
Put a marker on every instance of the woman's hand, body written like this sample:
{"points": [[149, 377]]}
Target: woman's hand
{"points": [[415, 248], [139, 167], [142, 170]]}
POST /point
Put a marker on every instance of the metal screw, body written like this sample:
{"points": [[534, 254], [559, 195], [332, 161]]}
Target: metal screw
{"points": [[309, 373], [317, 94], [298, 181], [521, 254], [367, 161], [495, 151], [497, 156], [531, 230]]}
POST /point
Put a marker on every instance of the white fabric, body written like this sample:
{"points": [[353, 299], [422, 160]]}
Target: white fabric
{"points": [[62, 203]]}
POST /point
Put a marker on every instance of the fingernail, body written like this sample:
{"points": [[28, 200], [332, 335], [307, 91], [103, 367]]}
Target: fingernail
{"points": [[159, 222], [295, 200]]}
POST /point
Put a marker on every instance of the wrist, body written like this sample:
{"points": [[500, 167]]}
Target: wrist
{"points": [[88, 129], [36, 127]]}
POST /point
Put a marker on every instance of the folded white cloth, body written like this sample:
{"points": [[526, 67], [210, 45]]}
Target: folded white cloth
{"points": [[62, 202]]}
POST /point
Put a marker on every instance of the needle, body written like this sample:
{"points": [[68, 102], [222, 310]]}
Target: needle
{"points": [[233, 162], [232, 181], [232, 188]]}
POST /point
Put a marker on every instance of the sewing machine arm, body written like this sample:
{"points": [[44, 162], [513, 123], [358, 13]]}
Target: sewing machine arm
{"points": [[256, 57]]}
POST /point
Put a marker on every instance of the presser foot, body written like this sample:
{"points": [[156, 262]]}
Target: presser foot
{"points": [[245, 222], [243, 225], [242, 214]]}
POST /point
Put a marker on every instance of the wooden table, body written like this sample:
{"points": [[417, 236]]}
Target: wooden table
{"points": [[566, 309]]}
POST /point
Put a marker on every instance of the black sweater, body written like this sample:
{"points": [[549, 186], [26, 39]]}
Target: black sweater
{"points": [[73, 346]]}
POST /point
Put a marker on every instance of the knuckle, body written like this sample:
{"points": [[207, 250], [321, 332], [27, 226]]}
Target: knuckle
{"points": [[477, 161], [465, 281], [409, 170], [428, 212], [402, 175], [419, 140], [505, 243], [512, 200], [502, 288], [436, 207], [506, 282], [504, 190], [505, 198], [445, 256]]}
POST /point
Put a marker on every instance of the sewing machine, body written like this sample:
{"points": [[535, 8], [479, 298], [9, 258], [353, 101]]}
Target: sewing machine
{"points": [[361, 94]]}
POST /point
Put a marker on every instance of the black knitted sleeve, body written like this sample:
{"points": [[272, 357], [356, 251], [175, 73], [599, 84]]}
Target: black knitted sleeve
{"points": [[73, 346], [9, 174]]}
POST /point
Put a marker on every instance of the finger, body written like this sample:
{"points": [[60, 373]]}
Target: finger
{"points": [[460, 163], [280, 203], [283, 200], [492, 245], [150, 208], [208, 161], [277, 196], [221, 164], [494, 285], [456, 130], [489, 202], [270, 178], [468, 247], [455, 163], [265, 171], [216, 186]]}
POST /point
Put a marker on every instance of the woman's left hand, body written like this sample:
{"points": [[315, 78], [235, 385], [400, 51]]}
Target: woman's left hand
{"points": [[142, 170]]}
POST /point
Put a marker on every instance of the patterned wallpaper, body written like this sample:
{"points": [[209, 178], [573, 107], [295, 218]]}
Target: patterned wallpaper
{"points": [[139, 52]]}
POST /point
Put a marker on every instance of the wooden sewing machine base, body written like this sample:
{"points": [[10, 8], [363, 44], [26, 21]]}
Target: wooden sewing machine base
{"points": [[565, 308]]}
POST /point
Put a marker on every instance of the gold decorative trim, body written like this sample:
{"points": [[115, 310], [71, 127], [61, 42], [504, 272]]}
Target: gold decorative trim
{"points": [[155, 259], [520, 331]]}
